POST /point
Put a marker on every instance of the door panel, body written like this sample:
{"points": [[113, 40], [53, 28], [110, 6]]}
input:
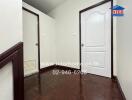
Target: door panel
{"points": [[95, 59], [30, 38], [95, 19], [96, 40]]}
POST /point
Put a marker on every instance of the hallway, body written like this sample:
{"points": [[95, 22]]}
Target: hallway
{"points": [[70, 87]]}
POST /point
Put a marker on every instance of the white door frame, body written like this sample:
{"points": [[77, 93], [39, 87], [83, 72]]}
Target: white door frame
{"points": [[91, 7]]}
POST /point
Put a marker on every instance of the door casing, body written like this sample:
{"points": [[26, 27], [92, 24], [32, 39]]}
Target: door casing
{"points": [[91, 7]]}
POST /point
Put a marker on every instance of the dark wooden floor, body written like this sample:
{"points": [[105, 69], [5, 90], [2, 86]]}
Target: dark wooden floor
{"points": [[70, 87]]}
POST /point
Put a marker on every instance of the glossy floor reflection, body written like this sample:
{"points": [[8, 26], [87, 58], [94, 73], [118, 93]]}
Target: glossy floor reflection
{"points": [[70, 87]]}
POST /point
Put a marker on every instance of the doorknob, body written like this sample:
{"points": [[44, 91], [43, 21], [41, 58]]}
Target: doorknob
{"points": [[36, 44], [82, 45]]}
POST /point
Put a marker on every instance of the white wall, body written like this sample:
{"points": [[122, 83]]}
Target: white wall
{"points": [[67, 30], [6, 83], [124, 40], [115, 42], [47, 37], [10, 23], [10, 34]]}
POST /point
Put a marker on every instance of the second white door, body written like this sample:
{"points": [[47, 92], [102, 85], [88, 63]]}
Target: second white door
{"points": [[96, 40]]}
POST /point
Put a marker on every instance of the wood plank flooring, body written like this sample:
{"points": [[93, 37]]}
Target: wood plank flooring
{"points": [[70, 87]]}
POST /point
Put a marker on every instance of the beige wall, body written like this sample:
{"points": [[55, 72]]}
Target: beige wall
{"points": [[124, 48], [47, 37], [10, 34], [67, 30]]}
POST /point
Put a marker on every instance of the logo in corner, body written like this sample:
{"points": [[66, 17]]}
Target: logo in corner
{"points": [[118, 10]]}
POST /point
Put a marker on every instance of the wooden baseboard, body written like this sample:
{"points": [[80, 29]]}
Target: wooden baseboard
{"points": [[119, 87], [48, 68], [66, 68], [60, 67], [31, 74]]}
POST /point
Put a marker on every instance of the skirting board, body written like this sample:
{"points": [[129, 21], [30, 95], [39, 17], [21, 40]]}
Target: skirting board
{"points": [[57, 67], [30, 74], [119, 87]]}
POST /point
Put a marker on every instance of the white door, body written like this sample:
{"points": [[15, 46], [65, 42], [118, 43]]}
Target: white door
{"points": [[30, 38], [96, 40]]}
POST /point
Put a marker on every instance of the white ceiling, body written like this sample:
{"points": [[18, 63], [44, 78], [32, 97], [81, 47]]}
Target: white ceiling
{"points": [[44, 5]]}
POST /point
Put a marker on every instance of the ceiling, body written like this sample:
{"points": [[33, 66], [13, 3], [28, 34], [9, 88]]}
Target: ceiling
{"points": [[44, 5]]}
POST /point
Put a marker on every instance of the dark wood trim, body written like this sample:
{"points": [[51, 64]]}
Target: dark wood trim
{"points": [[30, 11], [48, 68], [119, 87], [91, 7], [60, 67], [66, 68], [80, 54], [10, 51], [15, 56], [38, 26], [31, 75], [39, 43]]}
